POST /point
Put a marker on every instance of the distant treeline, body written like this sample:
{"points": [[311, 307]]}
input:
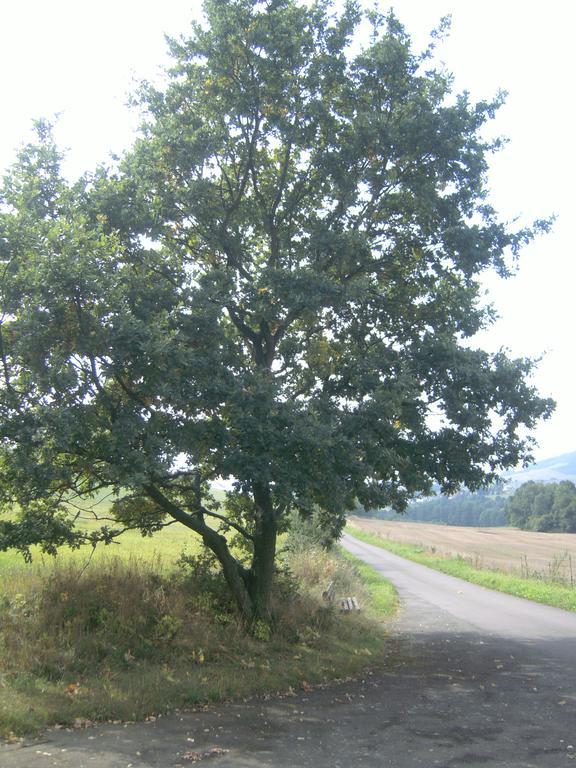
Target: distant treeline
{"points": [[544, 507], [532, 507], [481, 509]]}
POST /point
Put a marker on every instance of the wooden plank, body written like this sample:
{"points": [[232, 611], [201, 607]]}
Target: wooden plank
{"points": [[328, 593], [348, 604]]}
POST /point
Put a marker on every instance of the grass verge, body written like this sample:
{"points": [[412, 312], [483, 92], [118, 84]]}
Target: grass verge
{"points": [[382, 599], [538, 590], [124, 640]]}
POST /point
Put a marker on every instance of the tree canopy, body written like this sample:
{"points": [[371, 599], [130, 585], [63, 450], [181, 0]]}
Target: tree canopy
{"points": [[276, 285]]}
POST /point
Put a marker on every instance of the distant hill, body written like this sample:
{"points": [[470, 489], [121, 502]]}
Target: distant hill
{"points": [[547, 471]]}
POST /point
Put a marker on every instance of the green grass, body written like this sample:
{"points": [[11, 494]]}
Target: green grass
{"points": [[538, 590], [382, 599], [162, 550], [165, 546], [125, 639]]}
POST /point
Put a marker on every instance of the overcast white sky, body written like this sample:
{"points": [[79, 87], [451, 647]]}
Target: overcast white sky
{"points": [[81, 58]]}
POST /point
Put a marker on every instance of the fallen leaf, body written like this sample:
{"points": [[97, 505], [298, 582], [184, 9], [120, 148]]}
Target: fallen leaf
{"points": [[195, 757], [83, 722]]}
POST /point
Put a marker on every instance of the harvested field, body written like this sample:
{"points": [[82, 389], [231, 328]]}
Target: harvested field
{"points": [[546, 555]]}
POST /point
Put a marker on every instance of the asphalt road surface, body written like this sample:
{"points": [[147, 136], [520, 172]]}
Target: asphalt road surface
{"points": [[475, 678]]}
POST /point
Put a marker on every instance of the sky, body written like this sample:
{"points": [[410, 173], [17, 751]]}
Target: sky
{"points": [[81, 60]]}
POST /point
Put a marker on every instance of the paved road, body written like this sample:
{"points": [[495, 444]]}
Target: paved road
{"points": [[475, 679]]}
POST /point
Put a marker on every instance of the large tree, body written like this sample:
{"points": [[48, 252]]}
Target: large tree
{"points": [[276, 285]]}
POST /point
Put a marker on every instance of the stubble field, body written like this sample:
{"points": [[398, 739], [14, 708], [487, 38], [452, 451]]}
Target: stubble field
{"points": [[549, 555]]}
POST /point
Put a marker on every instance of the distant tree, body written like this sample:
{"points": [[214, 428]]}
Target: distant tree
{"points": [[275, 285], [564, 508], [462, 509], [519, 505], [544, 507]]}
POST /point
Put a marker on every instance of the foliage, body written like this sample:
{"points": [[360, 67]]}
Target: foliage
{"points": [[312, 530], [544, 507], [275, 285]]}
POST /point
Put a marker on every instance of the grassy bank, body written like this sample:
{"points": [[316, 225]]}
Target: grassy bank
{"points": [[125, 639], [539, 590], [381, 600]]}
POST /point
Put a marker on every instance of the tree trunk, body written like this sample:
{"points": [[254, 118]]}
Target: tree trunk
{"points": [[234, 574], [263, 562], [251, 589]]}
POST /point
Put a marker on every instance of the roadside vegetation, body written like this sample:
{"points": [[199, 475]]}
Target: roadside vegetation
{"points": [[538, 587], [130, 637]]}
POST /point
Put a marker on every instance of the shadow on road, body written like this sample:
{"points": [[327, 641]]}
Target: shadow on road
{"points": [[444, 698]]}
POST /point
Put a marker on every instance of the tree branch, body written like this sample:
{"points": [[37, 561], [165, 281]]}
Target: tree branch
{"points": [[241, 530], [283, 177], [246, 331], [194, 522], [234, 572], [5, 362], [131, 393]]}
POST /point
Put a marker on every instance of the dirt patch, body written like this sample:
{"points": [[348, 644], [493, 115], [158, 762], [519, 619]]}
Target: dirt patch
{"points": [[506, 549]]}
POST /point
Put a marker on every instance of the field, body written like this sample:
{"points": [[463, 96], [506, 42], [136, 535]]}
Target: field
{"points": [[545, 555], [162, 549]]}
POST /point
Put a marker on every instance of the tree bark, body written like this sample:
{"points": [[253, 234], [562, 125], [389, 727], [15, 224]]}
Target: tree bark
{"points": [[263, 562]]}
